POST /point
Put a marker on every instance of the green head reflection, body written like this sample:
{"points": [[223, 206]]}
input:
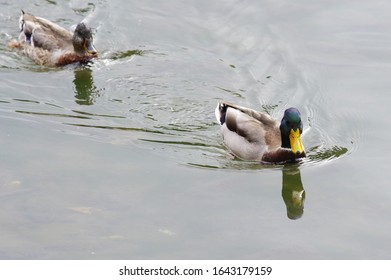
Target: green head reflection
{"points": [[293, 192]]}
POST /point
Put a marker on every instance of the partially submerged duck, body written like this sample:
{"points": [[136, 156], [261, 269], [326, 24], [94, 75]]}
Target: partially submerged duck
{"points": [[50, 44], [255, 136]]}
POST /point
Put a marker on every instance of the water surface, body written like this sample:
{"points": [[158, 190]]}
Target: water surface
{"points": [[122, 158]]}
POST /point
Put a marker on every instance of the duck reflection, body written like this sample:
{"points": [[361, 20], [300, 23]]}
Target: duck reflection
{"points": [[293, 192], [85, 89]]}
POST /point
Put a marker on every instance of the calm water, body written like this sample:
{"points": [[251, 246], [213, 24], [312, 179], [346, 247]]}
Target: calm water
{"points": [[122, 158]]}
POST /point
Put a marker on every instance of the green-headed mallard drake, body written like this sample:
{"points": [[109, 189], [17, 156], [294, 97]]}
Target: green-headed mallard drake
{"points": [[49, 44], [255, 136]]}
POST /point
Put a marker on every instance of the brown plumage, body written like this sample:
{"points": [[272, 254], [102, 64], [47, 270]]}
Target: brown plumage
{"points": [[50, 44]]}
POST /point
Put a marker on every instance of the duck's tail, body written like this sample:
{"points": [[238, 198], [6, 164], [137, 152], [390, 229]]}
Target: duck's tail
{"points": [[220, 112]]}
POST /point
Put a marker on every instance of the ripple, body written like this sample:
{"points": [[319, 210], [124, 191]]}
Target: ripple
{"points": [[318, 155], [51, 114], [125, 54], [111, 127], [164, 93]]}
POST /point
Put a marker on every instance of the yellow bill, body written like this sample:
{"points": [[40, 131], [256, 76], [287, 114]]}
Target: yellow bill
{"points": [[294, 138]]}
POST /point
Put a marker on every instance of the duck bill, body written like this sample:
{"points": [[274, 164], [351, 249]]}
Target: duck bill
{"points": [[90, 48], [295, 140]]}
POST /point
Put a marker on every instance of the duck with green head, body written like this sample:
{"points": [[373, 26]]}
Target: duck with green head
{"points": [[50, 44], [255, 136]]}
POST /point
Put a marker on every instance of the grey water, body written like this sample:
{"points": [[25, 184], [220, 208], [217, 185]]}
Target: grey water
{"points": [[122, 158]]}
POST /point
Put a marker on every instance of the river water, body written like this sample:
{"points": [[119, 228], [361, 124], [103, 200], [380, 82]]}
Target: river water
{"points": [[123, 158]]}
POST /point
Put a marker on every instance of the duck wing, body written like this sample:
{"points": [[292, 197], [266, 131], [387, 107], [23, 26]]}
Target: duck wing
{"points": [[246, 122], [44, 33], [265, 119], [246, 132]]}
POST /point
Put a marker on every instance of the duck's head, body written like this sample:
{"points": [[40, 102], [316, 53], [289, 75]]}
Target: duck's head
{"points": [[291, 128], [82, 40]]}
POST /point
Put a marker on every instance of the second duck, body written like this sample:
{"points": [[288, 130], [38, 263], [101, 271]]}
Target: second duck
{"points": [[52, 45]]}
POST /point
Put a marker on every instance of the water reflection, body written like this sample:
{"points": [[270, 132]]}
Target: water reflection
{"points": [[293, 192], [85, 89]]}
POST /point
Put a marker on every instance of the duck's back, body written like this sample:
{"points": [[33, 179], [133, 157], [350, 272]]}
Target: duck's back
{"points": [[248, 133], [45, 34]]}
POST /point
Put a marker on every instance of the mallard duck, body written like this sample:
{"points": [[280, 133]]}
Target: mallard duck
{"points": [[255, 136], [49, 44]]}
